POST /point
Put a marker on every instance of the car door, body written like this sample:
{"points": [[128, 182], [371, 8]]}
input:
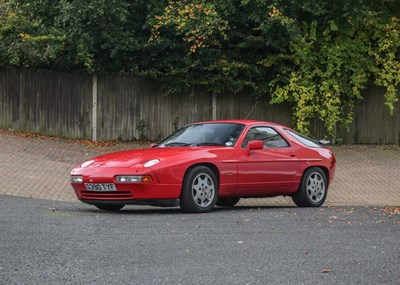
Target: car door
{"points": [[267, 171]]}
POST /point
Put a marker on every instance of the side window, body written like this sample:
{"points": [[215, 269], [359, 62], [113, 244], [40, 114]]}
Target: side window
{"points": [[269, 136], [303, 139]]}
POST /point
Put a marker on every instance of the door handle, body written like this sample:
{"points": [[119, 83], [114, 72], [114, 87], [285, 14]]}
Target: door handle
{"points": [[293, 153]]}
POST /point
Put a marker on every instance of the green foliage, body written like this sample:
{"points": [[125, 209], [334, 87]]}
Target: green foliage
{"points": [[387, 56], [141, 128], [240, 51], [27, 38], [317, 56], [90, 36], [159, 137], [334, 59], [195, 22], [176, 124]]}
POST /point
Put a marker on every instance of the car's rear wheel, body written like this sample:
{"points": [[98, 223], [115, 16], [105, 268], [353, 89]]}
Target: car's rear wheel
{"points": [[199, 190], [227, 202], [313, 188], [109, 208]]}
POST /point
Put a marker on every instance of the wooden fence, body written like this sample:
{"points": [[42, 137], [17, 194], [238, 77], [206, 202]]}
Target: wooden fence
{"points": [[42, 101], [124, 107]]}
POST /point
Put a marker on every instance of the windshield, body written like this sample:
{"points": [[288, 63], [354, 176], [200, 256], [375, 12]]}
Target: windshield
{"points": [[208, 134]]}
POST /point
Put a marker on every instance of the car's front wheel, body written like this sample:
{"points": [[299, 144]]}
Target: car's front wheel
{"points": [[199, 190], [313, 188], [109, 208]]}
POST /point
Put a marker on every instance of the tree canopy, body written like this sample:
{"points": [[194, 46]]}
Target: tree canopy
{"points": [[316, 56]]}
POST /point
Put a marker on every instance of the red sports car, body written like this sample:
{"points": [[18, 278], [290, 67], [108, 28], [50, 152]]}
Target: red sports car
{"points": [[210, 163]]}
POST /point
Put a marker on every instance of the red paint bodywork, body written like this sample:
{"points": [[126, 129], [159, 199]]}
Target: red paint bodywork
{"points": [[241, 172]]}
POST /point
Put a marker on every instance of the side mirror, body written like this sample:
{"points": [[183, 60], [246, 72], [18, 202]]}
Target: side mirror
{"points": [[324, 142], [253, 145]]}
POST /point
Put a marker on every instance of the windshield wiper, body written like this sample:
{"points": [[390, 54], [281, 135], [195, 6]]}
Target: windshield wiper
{"points": [[209, 144], [177, 144]]}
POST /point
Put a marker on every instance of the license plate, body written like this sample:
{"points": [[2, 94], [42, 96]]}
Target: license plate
{"points": [[105, 187]]}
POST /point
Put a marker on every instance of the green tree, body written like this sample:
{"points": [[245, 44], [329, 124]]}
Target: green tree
{"points": [[315, 56], [337, 51], [27, 37], [91, 36]]}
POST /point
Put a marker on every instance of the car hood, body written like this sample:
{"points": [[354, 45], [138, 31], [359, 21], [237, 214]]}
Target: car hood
{"points": [[134, 157]]}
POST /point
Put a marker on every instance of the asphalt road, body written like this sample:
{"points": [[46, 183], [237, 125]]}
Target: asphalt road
{"points": [[47, 242]]}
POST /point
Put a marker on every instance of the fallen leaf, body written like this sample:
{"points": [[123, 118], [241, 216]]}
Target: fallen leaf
{"points": [[77, 141], [326, 270], [391, 210], [53, 209]]}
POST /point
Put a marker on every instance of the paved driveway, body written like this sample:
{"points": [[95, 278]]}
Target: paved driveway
{"points": [[39, 168]]}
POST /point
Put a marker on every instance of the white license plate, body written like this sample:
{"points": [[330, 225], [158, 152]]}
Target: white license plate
{"points": [[104, 187]]}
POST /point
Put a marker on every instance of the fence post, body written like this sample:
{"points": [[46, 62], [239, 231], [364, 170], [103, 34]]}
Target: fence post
{"points": [[214, 105], [94, 109]]}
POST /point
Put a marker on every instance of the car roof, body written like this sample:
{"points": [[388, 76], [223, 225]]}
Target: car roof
{"points": [[245, 122]]}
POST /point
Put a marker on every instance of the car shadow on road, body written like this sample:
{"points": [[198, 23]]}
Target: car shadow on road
{"points": [[146, 210]]}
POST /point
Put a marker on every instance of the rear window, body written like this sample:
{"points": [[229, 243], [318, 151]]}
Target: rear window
{"points": [[303, 139]]}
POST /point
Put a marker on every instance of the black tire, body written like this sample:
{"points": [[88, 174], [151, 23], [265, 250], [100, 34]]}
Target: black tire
{"points": [[199, 190], [313, 188], [109, 208], [227, 202]]}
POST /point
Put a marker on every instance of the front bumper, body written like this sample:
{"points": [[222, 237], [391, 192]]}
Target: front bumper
{"points": [[126, 192], [151, 202]]}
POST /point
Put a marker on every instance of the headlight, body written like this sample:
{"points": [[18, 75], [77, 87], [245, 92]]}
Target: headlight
{"points": [[150, 163], [134, 178], [76, 178]]}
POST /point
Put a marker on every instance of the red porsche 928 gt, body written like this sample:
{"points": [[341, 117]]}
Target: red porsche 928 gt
{"points": [[210, 163]]}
